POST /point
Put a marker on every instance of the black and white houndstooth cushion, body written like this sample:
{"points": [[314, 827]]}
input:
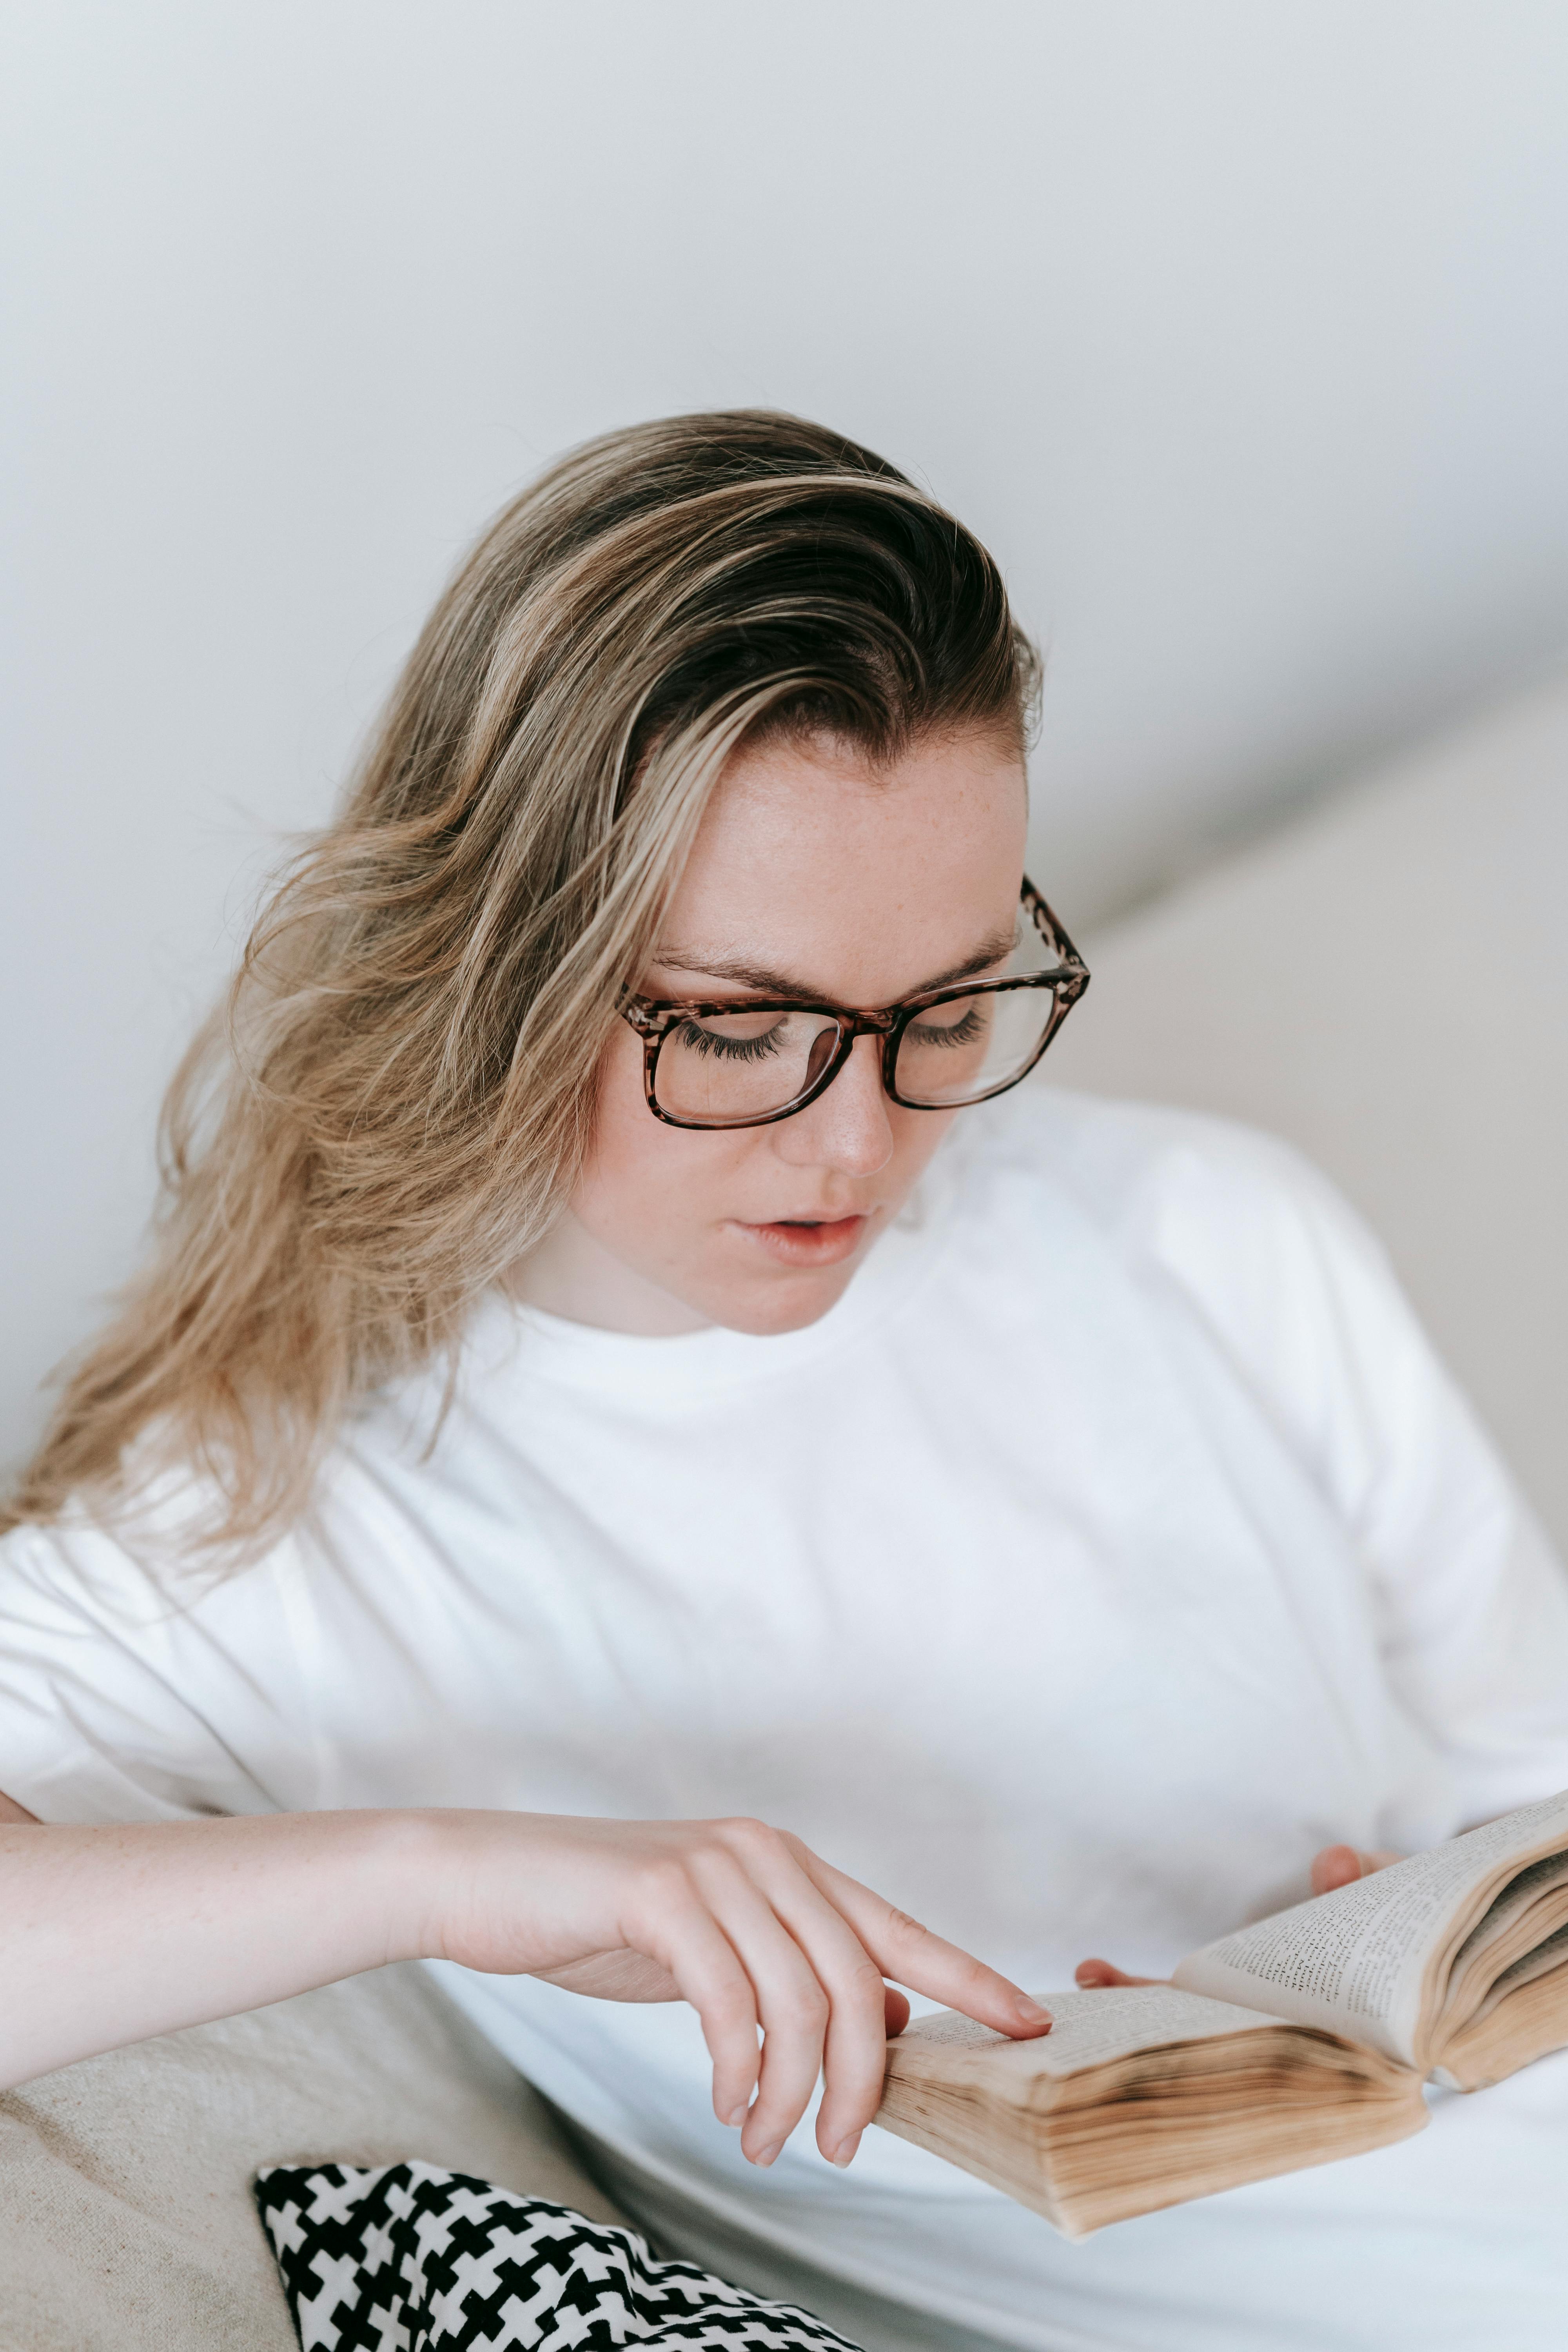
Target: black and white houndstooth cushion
{"points": [[405, 2258]]}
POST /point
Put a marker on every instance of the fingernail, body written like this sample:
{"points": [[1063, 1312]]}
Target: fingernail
{"points": [[737, 2116], [766, 2155], [1031, 2012], [846, 2149]]}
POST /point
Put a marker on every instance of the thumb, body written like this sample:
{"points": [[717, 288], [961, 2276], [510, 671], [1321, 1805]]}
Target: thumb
{"points": [[1093, 1976], [1341, 1865]]}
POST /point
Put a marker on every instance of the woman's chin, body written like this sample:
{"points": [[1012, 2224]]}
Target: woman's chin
{"points": [[783, 1296]]}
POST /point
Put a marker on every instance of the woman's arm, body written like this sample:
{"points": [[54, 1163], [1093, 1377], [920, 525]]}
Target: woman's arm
{"points": [[1472, 1606], [113, 1934]]}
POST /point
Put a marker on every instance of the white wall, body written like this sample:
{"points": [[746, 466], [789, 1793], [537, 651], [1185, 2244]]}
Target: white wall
{"points": [[1238, 328]]}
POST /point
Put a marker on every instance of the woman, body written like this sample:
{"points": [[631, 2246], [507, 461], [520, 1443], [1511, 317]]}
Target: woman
{"points": [[626, 1361]]}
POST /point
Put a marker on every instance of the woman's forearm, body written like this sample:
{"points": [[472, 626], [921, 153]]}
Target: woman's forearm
{"points": [[110, 1935]]}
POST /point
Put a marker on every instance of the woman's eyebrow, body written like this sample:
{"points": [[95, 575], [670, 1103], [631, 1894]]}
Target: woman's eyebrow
{"points": [[767, 982]]}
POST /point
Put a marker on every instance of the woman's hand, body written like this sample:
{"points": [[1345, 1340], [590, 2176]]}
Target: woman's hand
{"points": [[1334, 1866], [121, 1931], [1341, 1865], [745, 1922]]}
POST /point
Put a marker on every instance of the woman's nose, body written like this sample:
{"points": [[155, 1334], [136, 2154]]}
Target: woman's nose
{"points": [[848, 1127]]}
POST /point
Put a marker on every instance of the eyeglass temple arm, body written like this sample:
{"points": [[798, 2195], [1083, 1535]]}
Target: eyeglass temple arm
{"points": [[1054, 932]]}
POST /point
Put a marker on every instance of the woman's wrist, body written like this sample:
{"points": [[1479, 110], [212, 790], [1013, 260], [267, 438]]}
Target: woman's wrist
{"points": [[407, 1862]]}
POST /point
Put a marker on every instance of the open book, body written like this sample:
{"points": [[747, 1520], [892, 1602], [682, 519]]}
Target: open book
{"points": [[1305, 2037]]}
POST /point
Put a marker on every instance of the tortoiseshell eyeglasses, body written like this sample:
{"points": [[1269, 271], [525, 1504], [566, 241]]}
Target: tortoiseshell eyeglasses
{"points": [[717, 1063]]}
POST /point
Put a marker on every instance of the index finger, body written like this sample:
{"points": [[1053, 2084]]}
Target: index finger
{"points": [[928, 1964]]}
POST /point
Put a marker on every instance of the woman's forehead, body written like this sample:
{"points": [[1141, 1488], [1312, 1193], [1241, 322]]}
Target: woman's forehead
{"points": [[819, 816], [834, 875]]}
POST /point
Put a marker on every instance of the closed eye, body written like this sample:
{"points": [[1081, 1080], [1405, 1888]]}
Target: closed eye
{"points": [[698, 1040], [962, 1032]]}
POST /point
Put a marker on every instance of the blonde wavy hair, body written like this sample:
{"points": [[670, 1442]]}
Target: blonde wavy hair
{"points": [[394, 1100]]}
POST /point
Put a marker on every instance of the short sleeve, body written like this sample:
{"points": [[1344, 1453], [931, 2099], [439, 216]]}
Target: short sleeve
{"points": [[1471, 1602], [125, 1698]]}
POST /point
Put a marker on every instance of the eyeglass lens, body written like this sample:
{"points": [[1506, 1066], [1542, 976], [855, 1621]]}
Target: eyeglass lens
{"points": [[723, 1068], [963, 1047], [739, 1065]]}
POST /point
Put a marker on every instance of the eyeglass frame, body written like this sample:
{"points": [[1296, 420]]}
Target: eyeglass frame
{"points": [[654, 1018]]}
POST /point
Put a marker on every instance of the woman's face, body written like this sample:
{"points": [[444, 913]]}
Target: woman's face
{"points": [[840, 882]]}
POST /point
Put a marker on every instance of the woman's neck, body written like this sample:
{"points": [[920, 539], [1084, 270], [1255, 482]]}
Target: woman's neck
{"points": [[571, 1274]]}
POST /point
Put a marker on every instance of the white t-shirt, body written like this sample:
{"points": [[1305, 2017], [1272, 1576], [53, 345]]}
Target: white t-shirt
{"points": [[1113, 1545]]}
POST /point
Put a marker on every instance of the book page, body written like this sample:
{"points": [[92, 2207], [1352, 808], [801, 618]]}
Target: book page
{"points": [[1355, 1961], [1540, 1879], [1549, 1955], [1111, 2022]]}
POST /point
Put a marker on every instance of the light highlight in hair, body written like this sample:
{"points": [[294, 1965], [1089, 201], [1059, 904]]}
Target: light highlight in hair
{"points": [[394, 1101]]}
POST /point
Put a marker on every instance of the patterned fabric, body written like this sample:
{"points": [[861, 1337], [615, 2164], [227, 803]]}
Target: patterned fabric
{"points": [[405, 2258]]}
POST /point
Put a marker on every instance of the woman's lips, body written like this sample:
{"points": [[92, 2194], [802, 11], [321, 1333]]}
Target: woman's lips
{"points": [[806, 1242]]}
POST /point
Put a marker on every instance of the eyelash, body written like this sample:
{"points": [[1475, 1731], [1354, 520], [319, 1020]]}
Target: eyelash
{"points": [[956, 1032], [728, 1049]]}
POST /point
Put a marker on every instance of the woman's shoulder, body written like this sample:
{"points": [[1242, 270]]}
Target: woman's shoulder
{"points": [[123, 1655], [1239, 1223], [1145, 1171], [158, 1550], [132, 1563]]}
